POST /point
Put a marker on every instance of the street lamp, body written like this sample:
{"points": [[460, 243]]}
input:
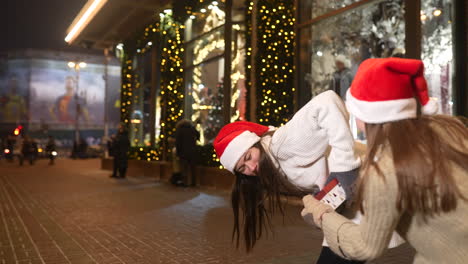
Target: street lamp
{"points": [[77, 65]]}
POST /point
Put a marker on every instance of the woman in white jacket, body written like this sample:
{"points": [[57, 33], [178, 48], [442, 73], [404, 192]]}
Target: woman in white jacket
{"points": [[293, 158]]}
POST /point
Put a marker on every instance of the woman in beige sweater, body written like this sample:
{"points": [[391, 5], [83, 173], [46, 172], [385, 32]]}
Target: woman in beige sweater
{"points": [[415, 176]]}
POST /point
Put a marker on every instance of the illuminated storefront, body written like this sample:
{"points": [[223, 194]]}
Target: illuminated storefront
{"points": [[214, 62], [205, 62], [334, 37]]}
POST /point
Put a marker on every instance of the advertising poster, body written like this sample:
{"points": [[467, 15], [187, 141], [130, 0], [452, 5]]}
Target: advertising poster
{"points": [[14, 77]]}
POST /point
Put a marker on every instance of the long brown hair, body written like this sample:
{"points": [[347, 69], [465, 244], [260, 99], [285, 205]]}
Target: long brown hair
{"points": [[255, 199], [423, 154]]}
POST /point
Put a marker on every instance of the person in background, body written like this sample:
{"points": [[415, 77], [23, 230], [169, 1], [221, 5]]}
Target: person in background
{"points": [[27, 150], [186, 137], [120, 149], [342, 77], [110, 145], [16, 144], [415, 176], [34, 151], [176, 177], [51, 150]]}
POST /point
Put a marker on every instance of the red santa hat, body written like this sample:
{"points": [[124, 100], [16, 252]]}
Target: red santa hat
{"points": [[234, 139], [383, 90]]}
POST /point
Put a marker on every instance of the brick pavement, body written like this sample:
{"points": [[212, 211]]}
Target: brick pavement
{"points": [[74, 213]]}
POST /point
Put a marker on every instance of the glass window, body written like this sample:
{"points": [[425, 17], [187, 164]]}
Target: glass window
{"points": [[238, 88], [204, 22], [313, 9], [205, 98], [436, 19], [331, 49], [140, 127], [205, 55], [205, 72], [205, 48]]}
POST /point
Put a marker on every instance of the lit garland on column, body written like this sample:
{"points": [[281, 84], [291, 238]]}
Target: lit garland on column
{"points": [[172, 72], [274, 61], [126, 90], [169, 32]]}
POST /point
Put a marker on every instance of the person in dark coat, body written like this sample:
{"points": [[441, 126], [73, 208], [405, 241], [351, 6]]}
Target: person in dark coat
{"points": [[120, 147], [186, 148], [28, 150], [110, 145], [51, 150]]}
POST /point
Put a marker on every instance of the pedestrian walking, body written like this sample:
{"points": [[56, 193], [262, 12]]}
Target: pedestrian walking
{"points": [[51, 150], [28, 150], [186, 137], [293, 158], [120, 149], [414, 178], [176, 177], [110, 145]]}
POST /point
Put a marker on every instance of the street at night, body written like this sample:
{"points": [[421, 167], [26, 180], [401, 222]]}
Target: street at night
{"points": [[74, 213], [234, 131]]}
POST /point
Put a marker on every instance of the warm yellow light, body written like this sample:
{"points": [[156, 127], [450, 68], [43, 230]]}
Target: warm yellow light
{"points": [[437, 12], [89, 10]]}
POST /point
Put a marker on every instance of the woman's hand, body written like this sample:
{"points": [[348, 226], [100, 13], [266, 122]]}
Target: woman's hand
{"points": [[314, 210]]}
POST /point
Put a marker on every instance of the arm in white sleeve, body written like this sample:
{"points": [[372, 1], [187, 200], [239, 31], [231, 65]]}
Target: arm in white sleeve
{"points": [[332, 117]]}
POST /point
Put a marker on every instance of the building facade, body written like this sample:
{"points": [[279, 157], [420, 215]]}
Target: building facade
{"points": [[214, 62], [41, 94]]}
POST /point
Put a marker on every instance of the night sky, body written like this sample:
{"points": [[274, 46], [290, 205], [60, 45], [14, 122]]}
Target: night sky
{"points": [[38, 24]]}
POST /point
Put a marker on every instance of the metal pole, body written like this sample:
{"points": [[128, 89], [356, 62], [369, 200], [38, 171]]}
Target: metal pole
{"points": [[227, 63], [460, 51], [106, 111], [413, 32], [78, 110]]}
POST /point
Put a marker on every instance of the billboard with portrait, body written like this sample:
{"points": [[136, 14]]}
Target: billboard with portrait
{"points": [[59, 95]]}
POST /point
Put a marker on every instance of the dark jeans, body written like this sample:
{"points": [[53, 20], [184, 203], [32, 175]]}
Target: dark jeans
{"points": [[29, 157], [188, 172], [120, 168], [327, 256]]}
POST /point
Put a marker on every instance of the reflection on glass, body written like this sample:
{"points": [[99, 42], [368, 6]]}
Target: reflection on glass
{"points": [[437, 50], [204, 22], [206, 95], [205, 71], [332, 49], [336, 46], [205, 48], [313, 8]]}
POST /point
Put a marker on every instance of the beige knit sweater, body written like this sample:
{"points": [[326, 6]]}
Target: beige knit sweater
{"points": [[442, 239]]}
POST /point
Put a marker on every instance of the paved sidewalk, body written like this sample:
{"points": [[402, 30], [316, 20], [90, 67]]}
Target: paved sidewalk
{"points": [[74, 213]]}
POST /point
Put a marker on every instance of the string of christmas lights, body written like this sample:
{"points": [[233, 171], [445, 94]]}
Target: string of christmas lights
{"points": [[169, 32], [172, 81], [274, 61]]}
